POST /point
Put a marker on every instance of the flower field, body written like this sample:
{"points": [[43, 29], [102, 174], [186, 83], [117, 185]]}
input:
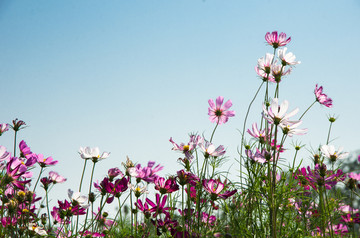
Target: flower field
{"points": [[272, 195]]}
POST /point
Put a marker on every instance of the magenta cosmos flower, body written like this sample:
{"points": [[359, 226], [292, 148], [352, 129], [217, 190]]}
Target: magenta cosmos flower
{"points": [[276, 40], [321, 97], [45, 162], [218, 112]]}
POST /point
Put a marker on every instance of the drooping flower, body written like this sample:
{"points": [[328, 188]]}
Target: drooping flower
{"points": [[321, 97], [259, 157], [114, 172], [287, 58], [276, 40], [93, 154], [218, 112], [3, 127], [329, 152], [276, 114], [4, 155]]}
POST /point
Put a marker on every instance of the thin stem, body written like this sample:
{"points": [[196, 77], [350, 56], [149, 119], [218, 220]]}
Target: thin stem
{"points": [[307, 109], [15, 144], [82, 175], [92, 174], [38, 178], [328, 137]]}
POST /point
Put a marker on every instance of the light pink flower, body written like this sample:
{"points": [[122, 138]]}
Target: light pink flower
{"points": [[276, 40], [56, 178], [211, 150], [290, 128], [215, 188], [219, 113], [3, 127], [278, 71], [321, 97]]}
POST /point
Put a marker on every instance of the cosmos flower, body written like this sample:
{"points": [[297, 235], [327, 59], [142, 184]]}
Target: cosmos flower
{"points": [[290, 128], [321, 97], [263, 68], [276, 114], [276, 40], [3, 127], [45, 162], [287, 58], [166, 186], [218, 112], [215, 188], [329, 152], [78, 199], [210, 149], [188, 148], [93, 154]]}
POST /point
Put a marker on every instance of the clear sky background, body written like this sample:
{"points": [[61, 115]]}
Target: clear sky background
{"points": [[127, 75]]}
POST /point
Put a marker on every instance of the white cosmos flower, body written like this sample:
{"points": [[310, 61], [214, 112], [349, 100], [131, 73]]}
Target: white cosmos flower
{"points": [[38, 229], [290, 128], [287, 58], [77, 198], [92, 153], [276, 114], [329, 152]]}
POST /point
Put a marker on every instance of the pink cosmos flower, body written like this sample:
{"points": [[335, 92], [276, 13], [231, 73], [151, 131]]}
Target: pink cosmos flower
{"points": [[276, 40], [188, 148], [148, 174], [218, 112], [159, 207], [166, 186], [56, 178], [321, 97], [3, 127], [45, 162], [4, 155], [259, 134], [320, 176], [258, 156], [114, 172], [210, 149], [15, 173], [215, 187]]}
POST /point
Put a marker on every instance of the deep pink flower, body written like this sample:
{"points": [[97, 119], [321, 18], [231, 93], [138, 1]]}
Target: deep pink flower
{"points": [[321, 97], [320, 176], [218, 112], [276, 40], [215, 188], [3, 127], [68, 210], [143, 207], [187, 177], [15, 173], [166, 186], [159, 207]]}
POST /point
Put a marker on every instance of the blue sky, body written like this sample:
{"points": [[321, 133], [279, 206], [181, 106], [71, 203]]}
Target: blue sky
{"points": [[127, 75]]}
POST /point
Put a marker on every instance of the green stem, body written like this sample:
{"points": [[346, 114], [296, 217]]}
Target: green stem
{"points": [[328, 137], [307, 110], [38, 178], [82, 175]]}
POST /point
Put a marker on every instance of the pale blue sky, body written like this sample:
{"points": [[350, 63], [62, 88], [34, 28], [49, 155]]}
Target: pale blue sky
{"points": [[128, 75]]}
